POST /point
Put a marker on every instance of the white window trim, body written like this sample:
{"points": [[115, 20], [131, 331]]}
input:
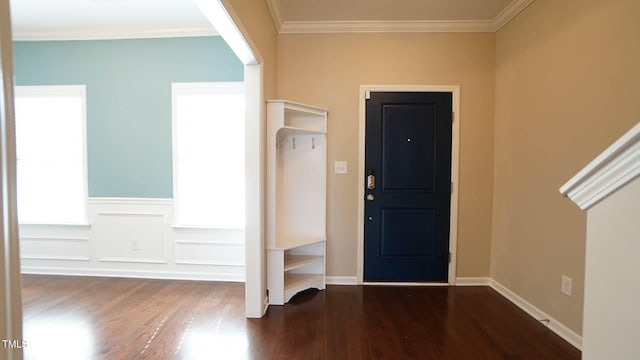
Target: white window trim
{"points": [[194, 88], [65, 90]]}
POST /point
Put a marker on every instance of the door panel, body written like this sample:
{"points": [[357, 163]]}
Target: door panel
{"points": [[408, 150], [407, 232], [409, 131]]}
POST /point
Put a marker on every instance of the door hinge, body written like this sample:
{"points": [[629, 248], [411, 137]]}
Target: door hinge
{"points": [[367, 94], [449, 257], [453, 117], [452, 188]]}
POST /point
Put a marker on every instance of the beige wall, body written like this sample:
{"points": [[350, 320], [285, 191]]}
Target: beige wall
{"points": [[567, 75], [327, 69]]}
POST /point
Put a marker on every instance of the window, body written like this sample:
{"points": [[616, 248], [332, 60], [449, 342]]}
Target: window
{"points": [[51, 154], [208, 154]]}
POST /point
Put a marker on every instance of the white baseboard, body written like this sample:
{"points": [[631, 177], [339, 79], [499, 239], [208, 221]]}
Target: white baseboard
{"points": [[472, 281], [553, 324], [342, 280], [461, 281], [138, 274], [162, 274], [407, 283]]}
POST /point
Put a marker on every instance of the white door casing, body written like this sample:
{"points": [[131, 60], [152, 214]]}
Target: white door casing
{"points": [[455, 156]]}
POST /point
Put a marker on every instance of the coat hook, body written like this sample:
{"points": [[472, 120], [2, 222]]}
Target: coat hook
{"points": [[313, 143], [294, 143]]}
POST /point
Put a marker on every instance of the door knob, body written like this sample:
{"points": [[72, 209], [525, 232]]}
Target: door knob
{"points": [[370, 197]]}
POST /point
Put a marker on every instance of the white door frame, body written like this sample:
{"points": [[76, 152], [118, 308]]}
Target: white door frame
{"points": [[365, 90]]}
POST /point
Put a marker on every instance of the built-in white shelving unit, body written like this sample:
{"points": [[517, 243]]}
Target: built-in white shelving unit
{"points": [[296, 198]]}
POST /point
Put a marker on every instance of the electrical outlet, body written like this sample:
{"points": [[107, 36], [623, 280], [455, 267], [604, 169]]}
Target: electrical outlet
{"points": [[566, 285], [135, 244]]}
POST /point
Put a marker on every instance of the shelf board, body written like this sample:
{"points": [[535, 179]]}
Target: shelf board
{"points": [[294, 283], [287, 242], [301, 130], [295, 261], [299, 107]]}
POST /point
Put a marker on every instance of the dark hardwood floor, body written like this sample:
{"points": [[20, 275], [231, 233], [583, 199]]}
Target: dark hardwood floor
{"points": [[108, 318]]}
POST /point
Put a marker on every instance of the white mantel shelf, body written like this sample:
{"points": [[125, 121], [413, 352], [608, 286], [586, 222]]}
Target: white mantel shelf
{"points": [[612, 169]]}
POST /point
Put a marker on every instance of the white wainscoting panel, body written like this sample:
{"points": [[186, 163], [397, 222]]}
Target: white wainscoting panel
{"points": [[54, 248], [133, 237], [40, 243], [209, 253], [197, 246], [129, 237]]}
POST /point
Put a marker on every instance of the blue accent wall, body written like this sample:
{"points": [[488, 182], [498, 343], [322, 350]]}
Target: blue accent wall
{"points": [[128, 100]]}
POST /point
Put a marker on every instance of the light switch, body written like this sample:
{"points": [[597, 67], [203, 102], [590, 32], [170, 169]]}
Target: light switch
{"points": [[340, 167]]}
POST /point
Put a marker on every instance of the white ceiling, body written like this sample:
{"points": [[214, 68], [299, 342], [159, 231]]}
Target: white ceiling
{"points": [[52, 19], [95, 19]]}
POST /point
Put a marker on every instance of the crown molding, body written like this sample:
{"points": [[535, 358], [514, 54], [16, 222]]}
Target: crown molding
{"points": [[366, 26], [612, 169], [513, 9], [111, 33], [311, 27], [276, 13]]}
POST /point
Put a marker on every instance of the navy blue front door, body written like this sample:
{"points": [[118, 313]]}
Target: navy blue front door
{"points": [[408, 186]]}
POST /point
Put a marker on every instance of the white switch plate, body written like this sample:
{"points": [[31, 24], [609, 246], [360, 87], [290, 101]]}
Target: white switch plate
{"points": [[340, 167], [566, 285]]}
